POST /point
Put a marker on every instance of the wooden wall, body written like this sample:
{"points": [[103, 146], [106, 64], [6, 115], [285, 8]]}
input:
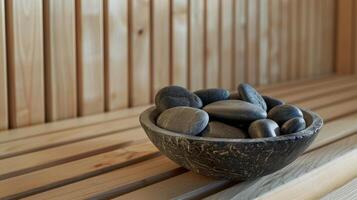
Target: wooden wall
{"points": [[68, 58]]}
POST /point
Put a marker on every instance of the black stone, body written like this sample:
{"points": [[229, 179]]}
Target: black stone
{"points": [[212, 95], [221, 130], [234, 96], [249, 94], [235, 110], [281, 114], [223, 158], [173, 96], [293, 125], [263, 128], [185, 120], [272, 102]]}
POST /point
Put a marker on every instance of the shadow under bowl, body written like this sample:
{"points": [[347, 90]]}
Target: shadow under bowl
{"points": [[234, 159]]}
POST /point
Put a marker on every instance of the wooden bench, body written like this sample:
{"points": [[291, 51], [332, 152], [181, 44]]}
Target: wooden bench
{"points": [[109, 156]]}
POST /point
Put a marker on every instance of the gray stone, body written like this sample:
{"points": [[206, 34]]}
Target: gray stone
{"points": [[293, 125], [185, 120], [234, 96], [173, 96], [235, 110], [263, 128], [272, 102], [281, 114], [217, 129], [249, 94], [212, 95]]}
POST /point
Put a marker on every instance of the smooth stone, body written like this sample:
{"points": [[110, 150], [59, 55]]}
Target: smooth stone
{"points": [[272, 102], [263, 128], [249, 94], [281, 114], [293, 125], [212, 95], [185, 120], [221, 130], [235, 110], [173, 96], [234, 96]]}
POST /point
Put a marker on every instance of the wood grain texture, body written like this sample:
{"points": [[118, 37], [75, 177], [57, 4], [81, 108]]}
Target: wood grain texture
{"points": [[252, 41], [116, 56], [275, 42], [264, 42], [345, 192], [294, 36], [140, 87], [226, 44], [303, 45], [285, 40], [355, 37], [90, 44], [60, 59], [25, 62], [197, 29], [160, 44], [4, 122], [179, 42]]}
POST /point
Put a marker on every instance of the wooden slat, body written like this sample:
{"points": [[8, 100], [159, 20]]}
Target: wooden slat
{"points": [[310, 186], [197, 26], [212, 44], [275, 35], [310, 37], [179, 42], [116, 54], [226, 42], [49, 128], [90, 43], [25, 62], [4, 122], [240, 41], [140, 89], [60, 59], [355, 37], [264, 42], [284, 45], [344, 37], [345, 192], [294, 31], [331, 36], [303, 38], [252, 43], [160, 44]]}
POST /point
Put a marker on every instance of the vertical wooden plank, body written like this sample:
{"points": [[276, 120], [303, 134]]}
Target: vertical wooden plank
{"points": [[294, 51], [252, 36], [355, 35], [344, 37], [285, 32], [26, 62], [4, 122], [275, 35], [331, 54], [140, 86], [303, 39], [264, 42], [116, 54], [60, 59], [161, 44], [318, 68], [212, 43], [180, 42], [90, 56], [226, 56], [240, 41], [311, 48], [197, 44]]}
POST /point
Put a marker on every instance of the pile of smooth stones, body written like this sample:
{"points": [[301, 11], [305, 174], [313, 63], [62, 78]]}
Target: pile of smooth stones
{"points": [[218, 113]]}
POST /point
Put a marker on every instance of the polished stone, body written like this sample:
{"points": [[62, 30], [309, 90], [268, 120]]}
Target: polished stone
{"points": [[263, 128], [249, 94], [212, 95], [217, 129], [281, 114], [272, 102], [293, 125]]}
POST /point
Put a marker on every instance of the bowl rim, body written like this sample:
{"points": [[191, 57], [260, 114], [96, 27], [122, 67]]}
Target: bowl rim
{"points": [[313, 128]]}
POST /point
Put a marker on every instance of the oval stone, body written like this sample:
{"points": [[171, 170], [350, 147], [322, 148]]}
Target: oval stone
{"points": [[272, 102], [234, 96], [185, 120], [221, 130], [173, 96], [263, 128], [293, 125], [235, 110], [281, 114], [249, 94], [212, 95]]}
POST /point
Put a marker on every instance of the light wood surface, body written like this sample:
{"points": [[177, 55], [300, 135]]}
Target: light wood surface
{"points": [[264, 42], [252, 42], [60, 59], [345, 192], [275, 42], [25, 62], [116, 54], [4, 122], [90, 56]]}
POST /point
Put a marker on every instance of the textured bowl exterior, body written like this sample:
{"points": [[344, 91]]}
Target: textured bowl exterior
{"points": [[234, 159]]}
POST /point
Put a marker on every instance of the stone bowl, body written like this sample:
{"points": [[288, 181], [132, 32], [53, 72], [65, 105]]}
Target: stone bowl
{"points": [[233, 159]]}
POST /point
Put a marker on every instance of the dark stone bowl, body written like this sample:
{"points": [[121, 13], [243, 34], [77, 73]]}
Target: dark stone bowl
{"points": [[234, 159]]}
